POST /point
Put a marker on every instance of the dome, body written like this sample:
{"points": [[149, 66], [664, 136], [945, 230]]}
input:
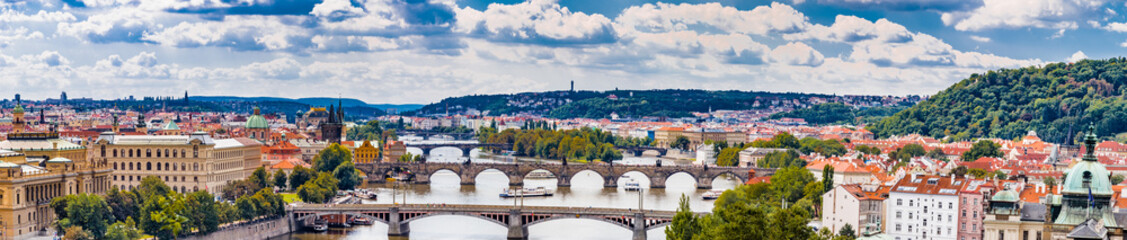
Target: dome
{"points": [[18, 109], [1005, 196], [171, 126], [1099, 176], [256, 121]]}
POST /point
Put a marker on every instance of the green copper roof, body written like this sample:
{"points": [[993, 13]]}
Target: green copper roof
{"points": [[59, 160], [1005, 196], [171, 126], [1098, 176], [257, 121], [18, 109]]}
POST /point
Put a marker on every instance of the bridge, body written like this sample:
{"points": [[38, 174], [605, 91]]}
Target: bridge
{"points": [[465, 147], [429, 134], [638, 150], [517, 219], [421, 172]]}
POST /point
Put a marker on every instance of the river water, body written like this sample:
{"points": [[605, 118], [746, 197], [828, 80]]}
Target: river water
{"points": [[586, 191]]}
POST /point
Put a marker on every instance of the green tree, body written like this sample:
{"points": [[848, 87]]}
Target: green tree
{"points": [[1116, 179], [77, 233], [247, 208], [729, 157], [346, 176], [781, 159], [301, 175], [125, 204], [681, 142], [319, 190], [977, 173], [847, 232], [151, 186], [827, 179], [202, 212], [1050, 182], [684, 225], [126, 230], [789, 183], [260, 177], [331, 157], [90, 212], [280, 179], [161, 215], [937, 153], [980, 149]]}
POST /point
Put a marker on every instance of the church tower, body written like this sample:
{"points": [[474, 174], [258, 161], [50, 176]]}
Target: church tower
{"points": [[141, 126], [19, 125], [331, 129], [115, 128]]}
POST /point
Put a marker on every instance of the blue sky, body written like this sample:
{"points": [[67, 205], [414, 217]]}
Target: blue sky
{"points": [[420, 51]]}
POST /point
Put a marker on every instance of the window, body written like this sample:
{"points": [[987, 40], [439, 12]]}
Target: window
{"points": [[950, 205], [103, 150], [1001, 235], [148, 166], [974, 227], [115, 166], [148, 153], [1025, 235], [897, 214], [196, 151], [115, 153], [897, 227], [909, 215], [158, 153], [910, 203], [158, 166], [964, 212], [925, 209]]}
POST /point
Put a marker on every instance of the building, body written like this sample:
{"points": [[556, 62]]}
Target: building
{"points": [[1083, 210], [971, 203], [666, 135], [749, 157], [186, 163], [923, 207], [257, 127], [859, 206], [19, 124], [332, 130], [395, 149], [1008, 218], [37, 167], [365, 153]]}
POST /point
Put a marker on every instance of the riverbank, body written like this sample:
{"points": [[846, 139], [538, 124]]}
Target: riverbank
{"points": [[255, 230]]}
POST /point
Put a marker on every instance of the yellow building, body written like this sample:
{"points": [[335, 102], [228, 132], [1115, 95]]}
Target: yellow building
{"points": [[186, 163], [37, 167], [395, 149], [366, 153]]}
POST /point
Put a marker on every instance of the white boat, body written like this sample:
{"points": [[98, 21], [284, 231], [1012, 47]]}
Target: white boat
{"points": [[528, 192], [632, 184], [712, 195]]}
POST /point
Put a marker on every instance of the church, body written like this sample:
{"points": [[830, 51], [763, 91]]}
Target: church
{"points": [[1083, 210]]}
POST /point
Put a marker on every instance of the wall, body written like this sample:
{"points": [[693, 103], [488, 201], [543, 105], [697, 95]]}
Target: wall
{"points": [[253, 231]]}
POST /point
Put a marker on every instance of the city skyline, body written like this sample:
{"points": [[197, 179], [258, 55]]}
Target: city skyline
{"points": [[399, 52]]}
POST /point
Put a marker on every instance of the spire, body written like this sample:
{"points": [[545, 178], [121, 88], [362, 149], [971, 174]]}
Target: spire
{"points": [[332, 115], [1090, 144]]}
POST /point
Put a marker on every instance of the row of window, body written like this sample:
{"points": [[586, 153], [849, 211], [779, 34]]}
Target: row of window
{"points": [[148, 153], [939, 217], [938, 230], [911, 203], [166, 178], [148, 166]]}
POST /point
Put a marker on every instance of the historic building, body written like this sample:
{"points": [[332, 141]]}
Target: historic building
{"points": [[365, 153], [923, 207], [856, 205], [186, 163], [1083, 210], [1008, 218], [332, 130], [257, 127], [19, 124], [394, 150], [37, 167]]}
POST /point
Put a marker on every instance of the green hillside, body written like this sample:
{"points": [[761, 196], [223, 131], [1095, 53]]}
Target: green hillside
{"points": [[1056, 101]]}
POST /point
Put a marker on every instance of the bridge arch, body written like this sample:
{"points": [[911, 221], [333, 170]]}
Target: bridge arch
{"points": [[478, 216], [609, 178], [349, 213], [737, 176], [635, 173], [626, 220]]}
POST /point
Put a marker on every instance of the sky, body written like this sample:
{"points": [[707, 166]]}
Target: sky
{"points": [[421, 51]]}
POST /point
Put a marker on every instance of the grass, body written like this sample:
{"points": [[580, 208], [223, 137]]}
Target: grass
{"points": [[290, 197]]}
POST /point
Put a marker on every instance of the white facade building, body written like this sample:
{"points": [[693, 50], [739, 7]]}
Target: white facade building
{"points": [[923, 207]]}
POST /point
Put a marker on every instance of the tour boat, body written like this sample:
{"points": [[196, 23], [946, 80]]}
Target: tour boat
{"points": [[361, 221], [632, 184], [528, 192], [320, 225], [712, 195]]}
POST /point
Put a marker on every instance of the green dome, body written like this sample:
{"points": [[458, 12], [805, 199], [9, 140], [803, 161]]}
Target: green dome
{"points": [[171, 126], [1100, 179], [1005, 196], [18, 109], [256, 121]]}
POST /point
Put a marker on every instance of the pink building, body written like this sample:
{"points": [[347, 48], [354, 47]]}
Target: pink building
{"points": [[971, 203]]}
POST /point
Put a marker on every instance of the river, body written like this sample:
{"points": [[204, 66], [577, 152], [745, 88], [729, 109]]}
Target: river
{"points": [[586, 190]]}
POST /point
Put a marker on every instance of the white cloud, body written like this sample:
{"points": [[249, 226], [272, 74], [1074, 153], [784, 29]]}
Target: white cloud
{"points": [[979, 39], [534, 20], [797, 53], [1076, 57], [238, 32], [855, 29], [664, 17], [10, 16], [1049, 14], [336, 8], [117, 25], [1116, 27]]}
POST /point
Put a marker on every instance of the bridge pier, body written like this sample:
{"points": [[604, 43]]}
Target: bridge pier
{"points": [[516, 180], [639, 226], [422, 178], [467, 178], [563, 180], [517, 230], [610, 182], [704, 183], [657, 182], [395, 226]]}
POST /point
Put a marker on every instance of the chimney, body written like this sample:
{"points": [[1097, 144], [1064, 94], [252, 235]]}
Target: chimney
{"points": [[914, 176]]}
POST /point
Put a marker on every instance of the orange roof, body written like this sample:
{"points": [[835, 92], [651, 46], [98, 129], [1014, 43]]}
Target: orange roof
{"points": [[932, 185], [763, 179]]}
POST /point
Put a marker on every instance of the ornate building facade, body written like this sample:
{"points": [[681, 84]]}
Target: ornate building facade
{"points": [[366, 153], [37, 167], [332, 130], [186, 163], [257, 127], [1083, 210]]}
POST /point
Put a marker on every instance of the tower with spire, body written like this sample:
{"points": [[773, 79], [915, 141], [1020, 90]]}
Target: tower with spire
{"points": [[332, 130], [141, 126], [19, 125]]}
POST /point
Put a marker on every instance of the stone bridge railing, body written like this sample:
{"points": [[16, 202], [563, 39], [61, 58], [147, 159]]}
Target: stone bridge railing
{"points": [[517, 219], [610, 173]]}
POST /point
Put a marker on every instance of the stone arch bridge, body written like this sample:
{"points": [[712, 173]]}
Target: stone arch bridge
{"points": [[467, 172], [516, 219], [465, 147], [429, 134]]}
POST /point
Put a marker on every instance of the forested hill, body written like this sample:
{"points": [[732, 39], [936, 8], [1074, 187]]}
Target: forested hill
{"points": [[1056, 101], [640, 103]]}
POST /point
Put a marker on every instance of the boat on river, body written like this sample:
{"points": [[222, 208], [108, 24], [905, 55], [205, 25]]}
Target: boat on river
{"points": [[320, 225], [632, 184], [712, 195], [361, 221], [528, 192]]}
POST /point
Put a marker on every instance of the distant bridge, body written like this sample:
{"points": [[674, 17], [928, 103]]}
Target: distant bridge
{"points": [[429, 134], [465, 147], [638, 150], [610, 173], [516, 219]]}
